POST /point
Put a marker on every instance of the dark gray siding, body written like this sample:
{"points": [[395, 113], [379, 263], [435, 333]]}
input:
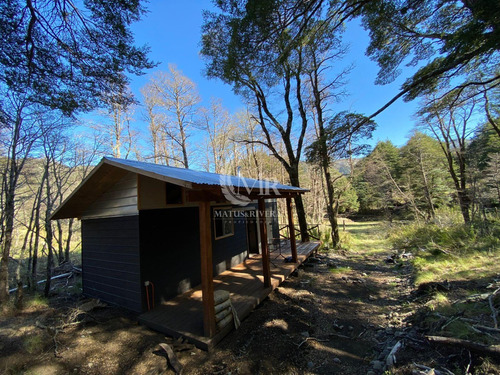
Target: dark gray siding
{"points": [[229, 251], [170, 250], [111, 262]]}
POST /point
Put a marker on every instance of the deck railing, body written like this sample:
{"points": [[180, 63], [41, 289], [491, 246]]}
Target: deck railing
{"points": [[312, 229]]}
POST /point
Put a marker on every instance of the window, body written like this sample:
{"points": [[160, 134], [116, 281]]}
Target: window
{"points": [[223, 223]]}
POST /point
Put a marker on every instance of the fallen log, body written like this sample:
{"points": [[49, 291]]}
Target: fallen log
{"points": [[485, 328], [172, 358], [494, 312], [390, 361], [471, 345], [68, 274]]}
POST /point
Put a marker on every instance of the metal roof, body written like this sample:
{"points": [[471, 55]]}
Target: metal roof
{"points": [[111, 170], [197, 177]]}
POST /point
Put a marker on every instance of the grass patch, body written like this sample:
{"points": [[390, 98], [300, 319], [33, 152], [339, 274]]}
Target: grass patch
{"points": [[368, 237], [438, 300], [34, 344], [37, 302], [450, 251], [340, 269]]}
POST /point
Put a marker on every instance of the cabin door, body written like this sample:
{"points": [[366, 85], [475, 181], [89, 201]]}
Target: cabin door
{"points": [[252, 236]]}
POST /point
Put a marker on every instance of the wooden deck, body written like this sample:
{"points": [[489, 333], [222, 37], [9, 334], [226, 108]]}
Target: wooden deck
{"points": [[183, 315]]}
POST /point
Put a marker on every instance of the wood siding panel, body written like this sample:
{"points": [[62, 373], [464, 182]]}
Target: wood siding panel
{"points": [[170, 250], [152, 193], [232, 250], [119, 200], [111, 270]]}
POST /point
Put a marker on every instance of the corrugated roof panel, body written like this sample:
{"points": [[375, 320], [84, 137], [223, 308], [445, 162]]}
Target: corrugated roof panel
{"points": [[200, 177]]}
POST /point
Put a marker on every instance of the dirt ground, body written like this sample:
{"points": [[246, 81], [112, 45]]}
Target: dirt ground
{"points": [[339, 314]]}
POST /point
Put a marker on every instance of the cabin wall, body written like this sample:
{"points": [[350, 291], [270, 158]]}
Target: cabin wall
{"points": [[170, 250], [230, 251], [119, 200], [111, 261], [152, 193]]}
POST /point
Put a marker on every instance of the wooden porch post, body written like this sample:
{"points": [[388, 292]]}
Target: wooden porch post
{"points": [[293, 244], [207, 282], [263, 243]]}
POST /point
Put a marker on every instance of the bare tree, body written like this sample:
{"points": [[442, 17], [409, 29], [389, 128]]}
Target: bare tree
{"points": [[450, 124], [155, 119], [247, 134], [176, 97], [116, 130], [219, 128], [21, 130]]}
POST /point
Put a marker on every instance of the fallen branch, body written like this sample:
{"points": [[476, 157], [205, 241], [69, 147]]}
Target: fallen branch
{"points": [[172, 358], [485, 328], [482, 332], [390, 361], [339, 335], [494, 312], [437, 372], [493, 349], [68, 274], [310, 338]]}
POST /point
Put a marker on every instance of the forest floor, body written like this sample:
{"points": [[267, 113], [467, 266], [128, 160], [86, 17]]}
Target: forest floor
{"points": [[342, 313]]}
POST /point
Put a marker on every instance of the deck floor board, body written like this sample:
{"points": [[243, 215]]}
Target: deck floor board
{"points": [[183, 315]]}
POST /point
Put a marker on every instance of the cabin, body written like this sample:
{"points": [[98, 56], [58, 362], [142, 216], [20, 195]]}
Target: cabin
{"points": [[159, 241]]}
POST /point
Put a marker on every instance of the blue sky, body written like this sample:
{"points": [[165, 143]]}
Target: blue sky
{"points": [[172, 29]]}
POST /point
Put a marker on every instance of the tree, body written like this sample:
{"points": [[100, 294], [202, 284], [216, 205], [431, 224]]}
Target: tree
{"points": [[250, 46], [338, 139], [482, 156], [219, 128], [492, 109], [492, 174], [176, 96], [115, 129], [20, 132], [452, 40], [377, 179], [423, 173], [155, 119], [60, 56], [66, 55], [450, 124]]}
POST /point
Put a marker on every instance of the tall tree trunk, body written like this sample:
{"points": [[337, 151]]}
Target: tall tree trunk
{"points": [[59, 240], [34, 266], [299, 205], [13, 169], [427, 192], [184, 146], [48, 232], [68, 240], [7, 244], [331, 202]]}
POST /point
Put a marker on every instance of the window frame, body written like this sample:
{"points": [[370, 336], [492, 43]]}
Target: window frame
{"points": [[224, 219]]}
